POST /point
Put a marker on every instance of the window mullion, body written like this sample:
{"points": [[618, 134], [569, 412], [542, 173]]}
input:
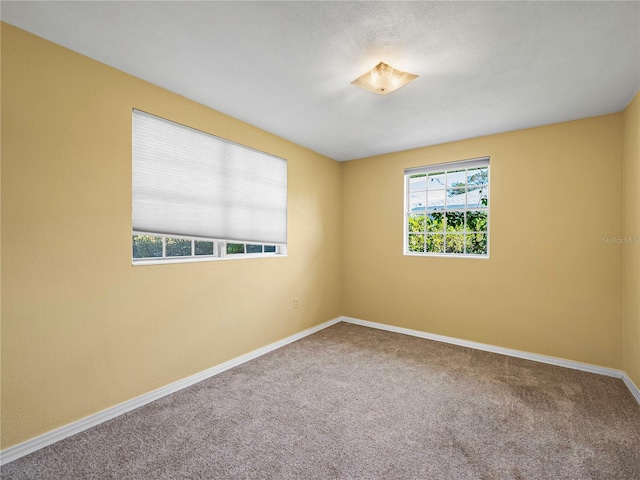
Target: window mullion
{"points": [[458, 185]]}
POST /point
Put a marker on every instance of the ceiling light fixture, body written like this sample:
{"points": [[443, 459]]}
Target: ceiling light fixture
{"points": [[383, 79]]}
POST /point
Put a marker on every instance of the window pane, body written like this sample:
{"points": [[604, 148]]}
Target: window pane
{"points": [[254, 248], [435, 243], [269, 249], [416, 242], [477, 243], [436, 181], [477, 221], [417, 182], [416, 222], [146, 246], [456, 198], [233, 248], [178, 247], [204, 248], [455, 221], [477, 197], [417, 201], [478, 176], [435, 200], [456, 178], [455, 243], [435, 222]]}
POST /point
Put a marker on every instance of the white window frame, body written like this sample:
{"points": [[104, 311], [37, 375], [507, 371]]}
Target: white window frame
{"points": [[219, 251], [446, 167]]}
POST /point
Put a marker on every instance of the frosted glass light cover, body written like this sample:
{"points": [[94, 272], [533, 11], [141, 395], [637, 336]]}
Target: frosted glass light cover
{"points": [[383, 79]]}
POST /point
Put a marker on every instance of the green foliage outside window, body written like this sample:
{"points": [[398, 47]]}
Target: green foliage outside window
{"points": [[145, 246], [203, 248], [233, 248], [178, 247], [150, 246], [462, 227]]}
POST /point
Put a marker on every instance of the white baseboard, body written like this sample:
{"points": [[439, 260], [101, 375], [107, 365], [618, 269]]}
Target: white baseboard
{"points": [[560, 362], [41, 441], [633, 388], [29, 446]]}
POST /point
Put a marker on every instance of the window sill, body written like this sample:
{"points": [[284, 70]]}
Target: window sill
{"points": [[168, 261], [445, 255]]}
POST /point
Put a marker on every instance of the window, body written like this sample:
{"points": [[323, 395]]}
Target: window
{"points": [[199, 197], [447, 209]]}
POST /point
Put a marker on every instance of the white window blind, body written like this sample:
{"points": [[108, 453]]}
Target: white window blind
{"points": [[473, 163], [187, 182]]}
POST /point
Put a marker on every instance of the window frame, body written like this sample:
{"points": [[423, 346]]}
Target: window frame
{"points": [[219, 251], [478, 162]]}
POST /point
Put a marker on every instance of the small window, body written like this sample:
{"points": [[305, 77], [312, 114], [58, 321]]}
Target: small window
{"points": [[199, 197], [150, 248], [447, 209]]}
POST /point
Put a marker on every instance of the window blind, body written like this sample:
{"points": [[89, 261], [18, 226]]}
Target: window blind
{"points": [[473, 163], [190, 183]]}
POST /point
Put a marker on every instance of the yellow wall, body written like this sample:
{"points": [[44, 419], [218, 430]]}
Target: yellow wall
{"points": [[631, 234], [82, 329], [551, 286]]}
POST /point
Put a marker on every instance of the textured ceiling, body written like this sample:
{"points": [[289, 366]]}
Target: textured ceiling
{"points": [[286, 67]]}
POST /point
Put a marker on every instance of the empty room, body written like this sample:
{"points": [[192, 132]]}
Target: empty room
{"points": [[320, 240]]}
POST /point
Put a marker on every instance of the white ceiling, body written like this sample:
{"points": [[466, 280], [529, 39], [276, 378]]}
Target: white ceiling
{"points": [[286, 67]]}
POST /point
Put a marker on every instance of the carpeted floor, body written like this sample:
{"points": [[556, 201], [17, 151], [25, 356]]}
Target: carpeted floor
{"points": [[355, 403]]}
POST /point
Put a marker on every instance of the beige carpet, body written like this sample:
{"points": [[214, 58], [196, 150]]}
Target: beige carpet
{"points": [[355, 403]]}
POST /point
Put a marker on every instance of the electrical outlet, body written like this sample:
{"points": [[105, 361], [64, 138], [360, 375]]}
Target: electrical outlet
{"points": [[296, 303]]}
